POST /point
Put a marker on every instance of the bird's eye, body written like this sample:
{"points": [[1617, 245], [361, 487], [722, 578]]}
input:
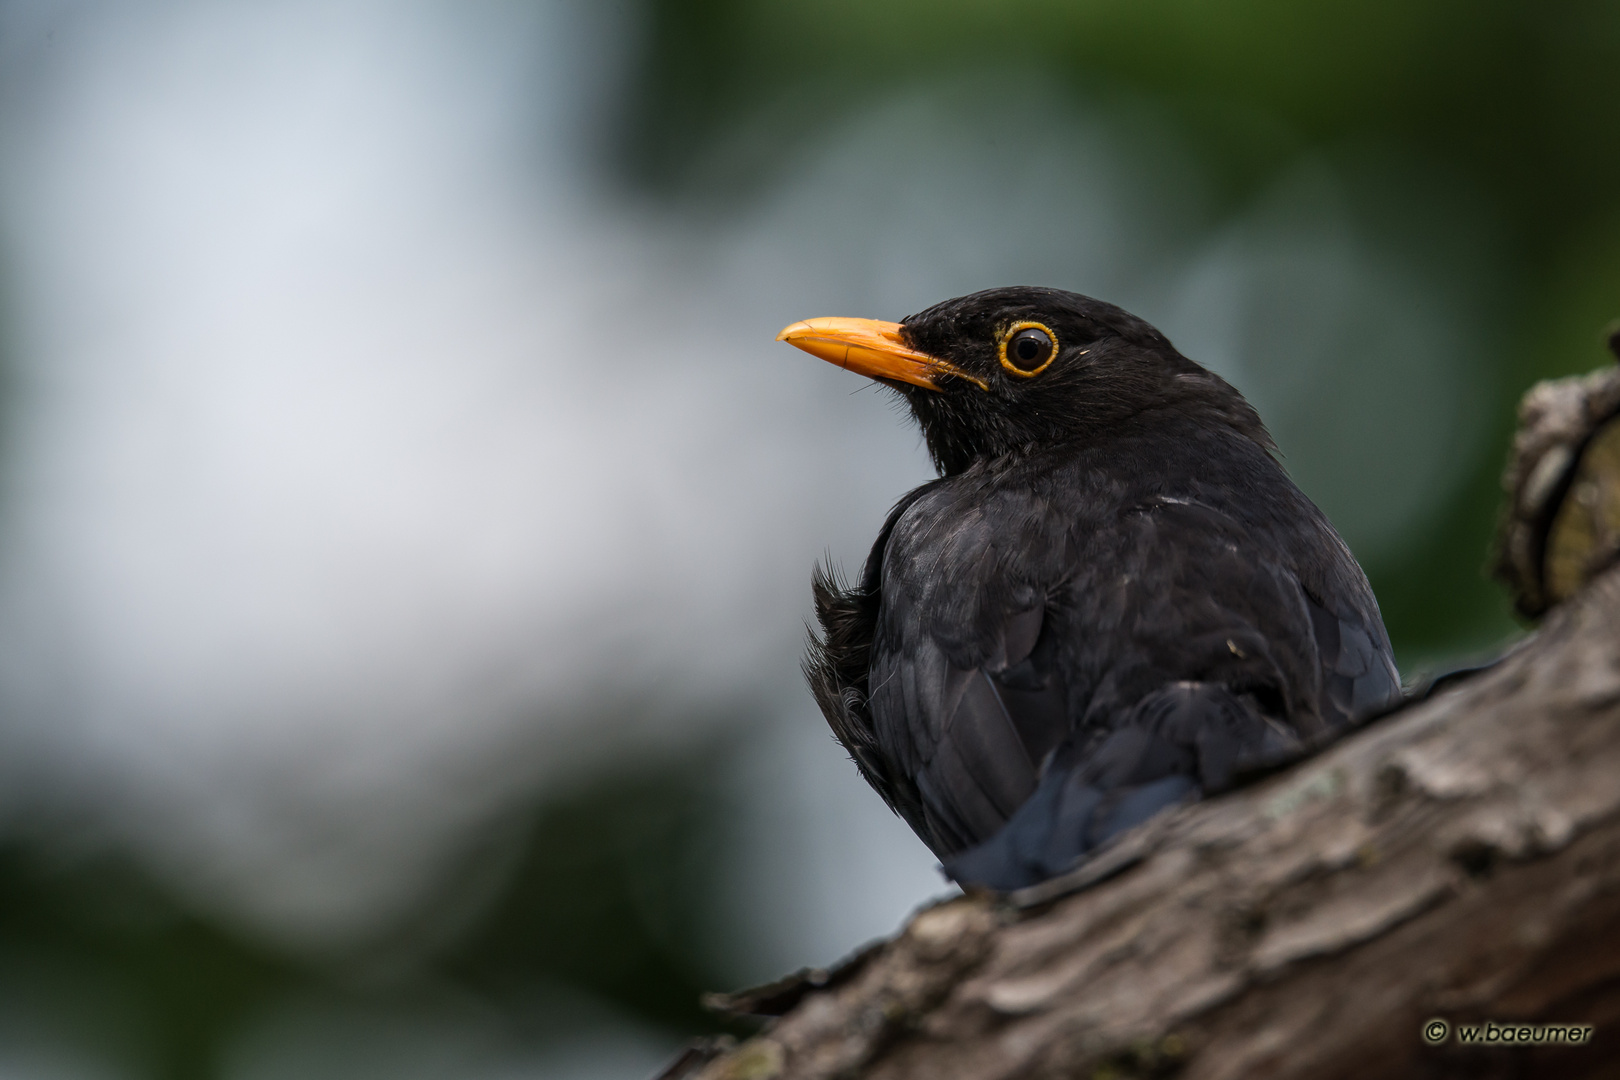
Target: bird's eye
{"points": [[1026, 348]]}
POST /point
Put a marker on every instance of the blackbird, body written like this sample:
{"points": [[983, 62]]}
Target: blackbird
{"points": [[1112, 601]]}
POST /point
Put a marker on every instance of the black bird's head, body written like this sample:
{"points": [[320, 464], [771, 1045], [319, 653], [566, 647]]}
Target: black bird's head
{"points": [[1010, 370]]}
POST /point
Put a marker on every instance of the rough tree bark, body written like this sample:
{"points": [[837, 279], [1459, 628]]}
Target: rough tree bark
{"points": [[1457, 860]]}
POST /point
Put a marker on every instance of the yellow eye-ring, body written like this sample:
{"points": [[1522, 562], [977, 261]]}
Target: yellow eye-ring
{"points": [[1027, 348]]}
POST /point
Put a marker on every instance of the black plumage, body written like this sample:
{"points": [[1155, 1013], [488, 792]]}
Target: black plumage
{"points": [[1113, 599]]}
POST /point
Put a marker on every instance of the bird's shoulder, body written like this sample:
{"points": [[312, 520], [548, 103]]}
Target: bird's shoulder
{"points": [[1034, 518], [1178, 490]]}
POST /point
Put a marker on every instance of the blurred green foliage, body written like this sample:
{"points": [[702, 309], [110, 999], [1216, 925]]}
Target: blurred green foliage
{"points": [[603, 891], [1517, 101], [608, 895], [96, 954]]}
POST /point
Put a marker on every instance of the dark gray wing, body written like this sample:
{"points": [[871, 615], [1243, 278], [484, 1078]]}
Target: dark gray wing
{"points": [[1359, 676], [1071, 677], [997, 723], [967, 693]]}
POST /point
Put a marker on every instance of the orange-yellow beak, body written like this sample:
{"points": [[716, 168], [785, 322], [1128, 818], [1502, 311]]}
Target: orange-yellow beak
{"points": [[871, 348]]}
